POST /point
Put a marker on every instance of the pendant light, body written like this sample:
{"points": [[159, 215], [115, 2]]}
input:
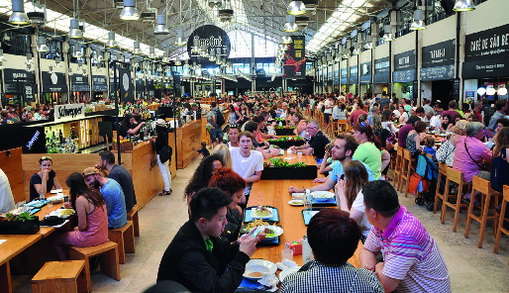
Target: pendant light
{"points": [[42, 47], [152, 53], [418, 23], [18, 15], [137, 50], [180, 38], [388, 36], [296, 8], [161, 28], [74, 29], [129, 12], [286, 40], [111, 40], [463, 5], [290, 25]]}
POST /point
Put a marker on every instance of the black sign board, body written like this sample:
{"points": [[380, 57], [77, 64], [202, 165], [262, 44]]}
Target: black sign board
{"points": [[17, 80], [382, 70], [126, 85], [487, 53], [99, 83], [79, 83], [366, 73], [344, 75], [353, 74], [444, 72], [403, 75], [438, 54], [404, 61], [53, 82], [211, 39]]}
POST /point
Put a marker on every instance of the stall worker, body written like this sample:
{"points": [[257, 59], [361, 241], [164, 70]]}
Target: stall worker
{"points": [[316, 144], [121, 175], [197, 257], [45, 180], [130, 126]]}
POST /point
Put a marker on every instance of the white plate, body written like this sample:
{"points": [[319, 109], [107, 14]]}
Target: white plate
{"points": [[59, 213], [283, 274], [56, 198], [277, 231], [56, 191], [322, 194], [296, 202], [298, 195], [259, 265], [255, 216]]}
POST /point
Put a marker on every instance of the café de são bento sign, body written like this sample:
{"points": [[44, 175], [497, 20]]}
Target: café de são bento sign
{"points": [[210, 39]]}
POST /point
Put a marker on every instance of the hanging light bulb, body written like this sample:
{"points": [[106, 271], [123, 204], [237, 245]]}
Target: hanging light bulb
{"points": [[290, 26], [180, 37], [74, 29], [161, 28], [212, 57], [418, 23], [18, 15], [111, 40], [296, 8], [152, 53], [463, 5], [388, 36], [129, 12], [286, 40], [137, 50], [42, 47], [177, 62]]}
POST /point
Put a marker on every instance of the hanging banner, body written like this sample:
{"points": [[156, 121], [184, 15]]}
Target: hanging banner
{"points": [[99, 83], [53, 82], [295, 59], [382, 70], [211, 39], [15, 79], [487, 53], [365, 73], [126, 85], [79, 83]]}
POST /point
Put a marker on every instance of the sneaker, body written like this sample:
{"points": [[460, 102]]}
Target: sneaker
{"points": [[164, 192]]}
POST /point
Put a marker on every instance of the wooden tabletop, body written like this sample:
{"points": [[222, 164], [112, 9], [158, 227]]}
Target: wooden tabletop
{"points": [[275, 193]]}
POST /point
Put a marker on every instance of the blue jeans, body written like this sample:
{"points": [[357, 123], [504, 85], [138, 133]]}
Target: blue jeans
{"points": [[216, 133]]}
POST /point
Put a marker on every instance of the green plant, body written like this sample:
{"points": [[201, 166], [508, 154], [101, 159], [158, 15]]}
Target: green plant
{"points": [[26, 216], [279, 162]]}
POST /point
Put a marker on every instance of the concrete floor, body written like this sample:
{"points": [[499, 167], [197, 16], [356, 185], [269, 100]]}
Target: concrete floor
{"points": [[472, 269]]}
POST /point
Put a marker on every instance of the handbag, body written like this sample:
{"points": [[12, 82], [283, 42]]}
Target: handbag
{"points": [[165, 154]]}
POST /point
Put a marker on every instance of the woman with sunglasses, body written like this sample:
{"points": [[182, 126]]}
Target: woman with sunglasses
{"points": [[43, 181]]}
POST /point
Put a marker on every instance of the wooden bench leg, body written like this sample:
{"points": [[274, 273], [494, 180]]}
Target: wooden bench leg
{"points": [[118, 238], [110, 265], [129, 241], [73, 254], [5, 278]]}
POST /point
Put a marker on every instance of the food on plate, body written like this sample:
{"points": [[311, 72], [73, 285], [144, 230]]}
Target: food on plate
{"points": [[256, 223], [255, 275], [261, 211], [67, 212], [323, 195], [296, 202]]}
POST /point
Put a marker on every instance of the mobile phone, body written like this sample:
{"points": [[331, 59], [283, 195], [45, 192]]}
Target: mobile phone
{"points": [[256, 231], [342, 177]]}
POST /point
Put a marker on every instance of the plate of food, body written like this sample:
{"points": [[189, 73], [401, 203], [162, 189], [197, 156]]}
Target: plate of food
{"points": [[322, 195], [62, 213], [270, 231], [296, 202], [261, 212], [56, 198], [56, 191], [257, 268]]}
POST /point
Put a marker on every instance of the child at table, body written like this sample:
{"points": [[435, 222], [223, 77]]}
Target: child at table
{"points": [[429, 146]]}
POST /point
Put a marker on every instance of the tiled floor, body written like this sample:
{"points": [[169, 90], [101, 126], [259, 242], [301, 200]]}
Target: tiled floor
{"points": [[471, 269]]}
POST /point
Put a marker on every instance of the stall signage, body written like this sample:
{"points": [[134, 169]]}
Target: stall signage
{"points": [[404, 61], [403, 75], [126, 85], [438, 54], [16, 81], [444, 72], [211, 39], [79, 83], [344, 75], [366, 73], [353, 74], [382, 70], [99, 83], [69, 111], [487, 53], [53, 82]]}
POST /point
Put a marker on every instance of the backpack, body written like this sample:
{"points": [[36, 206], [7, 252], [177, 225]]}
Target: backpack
{"points": [[219, 118]]}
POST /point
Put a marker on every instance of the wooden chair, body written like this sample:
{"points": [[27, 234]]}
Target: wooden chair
{"points": [[397, 167], [124, 237], [60, 276], [502, 219], [484, 187], [455, 177], [108, 252], [132, 215], [406, 170], [442, 173], [342, 125]]}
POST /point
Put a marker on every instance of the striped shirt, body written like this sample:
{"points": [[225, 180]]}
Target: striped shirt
{"points": [[410, 255]]}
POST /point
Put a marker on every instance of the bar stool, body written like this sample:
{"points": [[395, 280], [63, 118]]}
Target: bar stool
{"points": [[406, 169], [484, 187], [60, 276], [442, 172], [455, 177], [342, 125], [397, 167], [502, 220]]}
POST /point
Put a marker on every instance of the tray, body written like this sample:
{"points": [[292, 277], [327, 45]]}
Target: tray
{"points": [[273, 219], [306, 216], [328, 202]]}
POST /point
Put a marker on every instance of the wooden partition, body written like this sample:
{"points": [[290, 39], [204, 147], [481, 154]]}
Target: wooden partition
{"points": [[188, 141], [204, 133], [10, 163], [173, 163]]}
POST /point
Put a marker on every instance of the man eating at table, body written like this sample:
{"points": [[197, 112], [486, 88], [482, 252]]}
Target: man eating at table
{"points": [[343, 149], [333, 237], [412, 260], [197, 258]]}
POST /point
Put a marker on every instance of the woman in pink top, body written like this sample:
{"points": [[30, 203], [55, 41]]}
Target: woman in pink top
{"points": [[90, 207]]}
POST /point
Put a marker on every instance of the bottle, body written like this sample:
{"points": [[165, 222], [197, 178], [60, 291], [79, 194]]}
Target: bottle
{"points": [[307, 253]]}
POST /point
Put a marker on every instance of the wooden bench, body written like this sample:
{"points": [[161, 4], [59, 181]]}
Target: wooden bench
{"points": [[60, 276], [108, 252], [132, 215], [124, 237]]}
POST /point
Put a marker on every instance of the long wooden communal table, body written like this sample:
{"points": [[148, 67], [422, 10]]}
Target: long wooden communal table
{"points": [[18, 243], [275, 193]]}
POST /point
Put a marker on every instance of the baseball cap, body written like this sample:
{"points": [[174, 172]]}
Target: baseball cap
{"points": [[89, 171], [161, 122]]}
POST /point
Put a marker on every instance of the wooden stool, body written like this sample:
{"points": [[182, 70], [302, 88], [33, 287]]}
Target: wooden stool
{"points": [[442, 172], [60, 276], [502, 219], [133, 216], [397, 167], [484, 187], [342, 125], [456, 177], [406, 169], [108, 252], [124, 237]]}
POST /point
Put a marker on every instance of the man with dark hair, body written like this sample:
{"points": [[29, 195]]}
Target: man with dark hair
{"points": [[342, 151], [412, 260], [419, 112], [403, 131], [427, 108], [197, 258], [501, 106], [452, 109], [121, 175], [333, 237], [216, 132]]}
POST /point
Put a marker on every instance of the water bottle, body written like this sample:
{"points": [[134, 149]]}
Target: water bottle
{"points": [[307, 253], [308, 200]]}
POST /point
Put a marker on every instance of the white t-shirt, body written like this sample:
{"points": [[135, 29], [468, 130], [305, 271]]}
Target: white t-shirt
{"points": [[6, 197], [358, 205], [435, 122], [328, 103], [246, 166], [389, 125]]}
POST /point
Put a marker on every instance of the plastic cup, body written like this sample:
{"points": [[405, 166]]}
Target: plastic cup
{"points": [[286, 253]]}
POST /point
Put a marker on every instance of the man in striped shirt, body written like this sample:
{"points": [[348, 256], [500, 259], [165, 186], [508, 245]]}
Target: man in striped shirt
{"points": [[412, 261]]}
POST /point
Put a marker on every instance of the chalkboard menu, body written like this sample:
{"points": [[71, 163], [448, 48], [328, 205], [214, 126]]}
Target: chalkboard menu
{"points": [[79, 83], [99, 83], [404, 67], [438, 61]]}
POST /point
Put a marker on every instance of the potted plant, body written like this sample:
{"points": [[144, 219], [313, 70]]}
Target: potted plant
{"points": [[285, 142], [24, 223], [277, 168]]}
